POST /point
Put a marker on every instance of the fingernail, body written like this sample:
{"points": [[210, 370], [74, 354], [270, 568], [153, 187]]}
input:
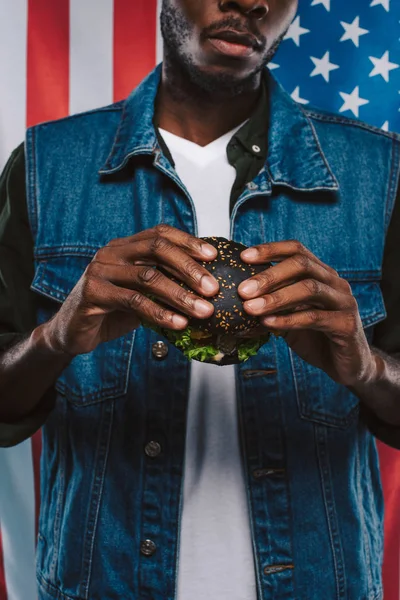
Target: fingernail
{"points": [[208, 250], [208, 284], [256, 304], [203, 307], [249, 288], [270, 320], [250, 253], [180, 321]]}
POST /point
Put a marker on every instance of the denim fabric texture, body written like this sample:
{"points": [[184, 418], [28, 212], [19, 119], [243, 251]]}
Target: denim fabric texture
{"points": [[311, 465]]}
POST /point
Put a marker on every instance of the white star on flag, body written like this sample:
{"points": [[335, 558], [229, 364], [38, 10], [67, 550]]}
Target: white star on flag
{"points": [[273, 66], [295, 31], [384, 3], [296, 96], [326, 3], [382, 66], [353, 31], [385, 126], [323, 66], [353, 101]]}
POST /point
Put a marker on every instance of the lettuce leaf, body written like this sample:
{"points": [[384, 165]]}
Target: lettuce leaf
{"points": [[201, 353], [250, 347], [182, 340]]}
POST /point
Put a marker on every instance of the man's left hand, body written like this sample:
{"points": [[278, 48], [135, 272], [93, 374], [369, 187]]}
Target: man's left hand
{"points": [[322, 320]]}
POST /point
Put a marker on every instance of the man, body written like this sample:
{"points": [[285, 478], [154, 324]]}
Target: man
{"points": [[166, 479]]}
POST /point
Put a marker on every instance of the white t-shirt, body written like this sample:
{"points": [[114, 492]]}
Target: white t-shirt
{"points": [[215, 554]]}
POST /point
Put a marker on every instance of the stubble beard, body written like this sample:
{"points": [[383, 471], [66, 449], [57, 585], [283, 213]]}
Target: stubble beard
{"points": [[185, 79]]}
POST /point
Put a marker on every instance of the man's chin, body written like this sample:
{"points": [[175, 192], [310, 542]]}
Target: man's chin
{"points": [[223, 80]]}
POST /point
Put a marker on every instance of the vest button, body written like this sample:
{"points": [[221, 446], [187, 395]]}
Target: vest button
{"points": [[148, 548], [152, 449], [160, 350]]}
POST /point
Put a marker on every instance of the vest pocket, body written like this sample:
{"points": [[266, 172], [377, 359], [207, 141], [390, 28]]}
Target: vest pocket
{"points": [[319, 398], [98, 375]]}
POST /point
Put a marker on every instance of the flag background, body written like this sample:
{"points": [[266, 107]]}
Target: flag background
{"points": [[63, 57]]}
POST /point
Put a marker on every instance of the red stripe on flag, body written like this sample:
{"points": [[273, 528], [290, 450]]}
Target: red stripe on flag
{"points": [[47, 60], [390, 475], [3, 588], [135, 31], [36, 442]]}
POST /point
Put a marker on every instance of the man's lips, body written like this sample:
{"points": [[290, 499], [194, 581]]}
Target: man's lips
{"points": [[233, 43]]}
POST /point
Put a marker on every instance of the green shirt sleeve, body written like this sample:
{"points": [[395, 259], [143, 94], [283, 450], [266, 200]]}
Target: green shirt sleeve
{"points": [[17, 301]]}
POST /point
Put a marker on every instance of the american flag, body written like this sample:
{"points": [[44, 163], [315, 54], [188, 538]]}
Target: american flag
{"points": [[65, 56], [345, 57]]}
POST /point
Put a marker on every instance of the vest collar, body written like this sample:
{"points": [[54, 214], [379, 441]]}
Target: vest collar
{"points": [[295, 157], [135, 134]]}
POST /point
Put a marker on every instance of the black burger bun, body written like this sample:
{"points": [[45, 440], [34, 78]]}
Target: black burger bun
{"points": [[229, 321], [229, 270]]}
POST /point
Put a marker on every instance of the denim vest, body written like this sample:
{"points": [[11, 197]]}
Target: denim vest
{"points": [[311, 465]]}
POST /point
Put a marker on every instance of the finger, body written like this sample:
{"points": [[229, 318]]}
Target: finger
{"points": [[146, 279], [278, 251], [290, 270], [153, 312], [163, 252], [174, 272], [167, 269], [309, 291], [191, 244], [102, 296], [339, 323]]}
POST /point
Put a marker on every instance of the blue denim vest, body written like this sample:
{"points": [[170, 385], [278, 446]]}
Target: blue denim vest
{"points": [[311, 466]]}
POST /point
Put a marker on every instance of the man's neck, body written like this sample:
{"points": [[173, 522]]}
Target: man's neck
{"points": [[198, 116]]}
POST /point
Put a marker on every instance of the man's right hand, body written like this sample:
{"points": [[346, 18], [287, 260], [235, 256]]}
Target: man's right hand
{"points": [[109, 299]]}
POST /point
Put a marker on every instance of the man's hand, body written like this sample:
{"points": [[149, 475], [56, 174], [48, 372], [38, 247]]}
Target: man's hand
{"points": [[322, 320], [111, 297]]}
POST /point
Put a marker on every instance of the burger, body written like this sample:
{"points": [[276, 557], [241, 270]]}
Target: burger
{"points": [[223, 338]]}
